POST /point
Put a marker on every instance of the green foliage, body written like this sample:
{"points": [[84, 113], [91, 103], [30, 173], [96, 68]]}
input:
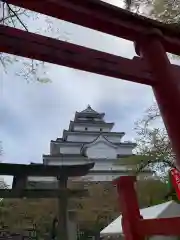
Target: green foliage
{"points": [[93, 212], [151, 192], [96, 211], [101, 206], [153, 150], [166, 11]]}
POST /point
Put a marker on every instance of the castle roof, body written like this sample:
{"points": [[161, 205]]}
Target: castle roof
{"points": [[85, 133], [100, 138], [73, 143], [90, 123], [89, 112]]}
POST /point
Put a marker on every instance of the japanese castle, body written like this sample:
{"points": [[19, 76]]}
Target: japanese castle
{"points": [[91, 139]]}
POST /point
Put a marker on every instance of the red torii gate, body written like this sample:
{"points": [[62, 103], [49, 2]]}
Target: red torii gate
{"points": [[152, 41]]}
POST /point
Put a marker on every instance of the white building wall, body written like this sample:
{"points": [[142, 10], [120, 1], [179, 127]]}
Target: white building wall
{"points": [[92, 128], [54, 148], [108, 165], [81, 138], [70, 149], [124, 150], [76, 150], [101, 150]]}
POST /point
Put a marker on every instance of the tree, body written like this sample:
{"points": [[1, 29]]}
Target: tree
{"points": [[153, 152], [93, 212], [151, 192], [166, 11], [11, 16], [18, 17], [138, 6], [154, 149]]}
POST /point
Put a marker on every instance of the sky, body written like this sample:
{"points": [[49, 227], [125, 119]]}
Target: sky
{"points": [[34, 113]]}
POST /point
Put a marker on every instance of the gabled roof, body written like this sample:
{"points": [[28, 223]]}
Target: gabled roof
{"points": [[156, 211], [100, 138], [92, 120], [88, 112]]}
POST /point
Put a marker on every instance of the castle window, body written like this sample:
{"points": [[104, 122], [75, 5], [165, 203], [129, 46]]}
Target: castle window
{"points": [[86, 128], [100, 129]]}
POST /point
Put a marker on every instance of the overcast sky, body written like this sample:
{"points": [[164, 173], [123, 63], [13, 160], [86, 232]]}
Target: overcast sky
{"points": [[33, 113]]}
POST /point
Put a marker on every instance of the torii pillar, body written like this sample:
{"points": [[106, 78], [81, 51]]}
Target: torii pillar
{"points": [[166, 88]]}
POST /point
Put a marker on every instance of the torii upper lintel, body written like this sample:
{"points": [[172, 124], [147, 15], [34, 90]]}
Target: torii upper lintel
{"points": [[104, 17]]}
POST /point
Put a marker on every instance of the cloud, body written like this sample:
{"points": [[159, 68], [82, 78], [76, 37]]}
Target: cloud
{"points": [[35, 113]]}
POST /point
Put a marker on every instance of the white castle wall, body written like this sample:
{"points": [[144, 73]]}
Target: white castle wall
{"points": [[104, 154], [92, 128], [70, 149], [101, 150], [81, 138], [124, 150]]}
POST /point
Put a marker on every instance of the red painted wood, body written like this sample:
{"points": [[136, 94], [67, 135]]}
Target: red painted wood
{"points": [[167, 88], [78, 57], [175, 181], [104, 17], [71, 55], [145, 67], [134, 227], [100, 16], [129, 206], [163, 226]]}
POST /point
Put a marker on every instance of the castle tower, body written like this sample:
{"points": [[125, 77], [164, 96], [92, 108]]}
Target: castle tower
{"points": [[90, 138]]}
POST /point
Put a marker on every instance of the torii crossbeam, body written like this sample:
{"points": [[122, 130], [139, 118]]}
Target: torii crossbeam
{"points": [[152, 41]]}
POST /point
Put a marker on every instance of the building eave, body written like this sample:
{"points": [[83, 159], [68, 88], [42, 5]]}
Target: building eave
{"points": [[84, 115], [59, 139], [80, 144], [128, 144], [62, 160], [66, 133], [65, 143], [89, 123], [101, 121], [57, 156]]}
